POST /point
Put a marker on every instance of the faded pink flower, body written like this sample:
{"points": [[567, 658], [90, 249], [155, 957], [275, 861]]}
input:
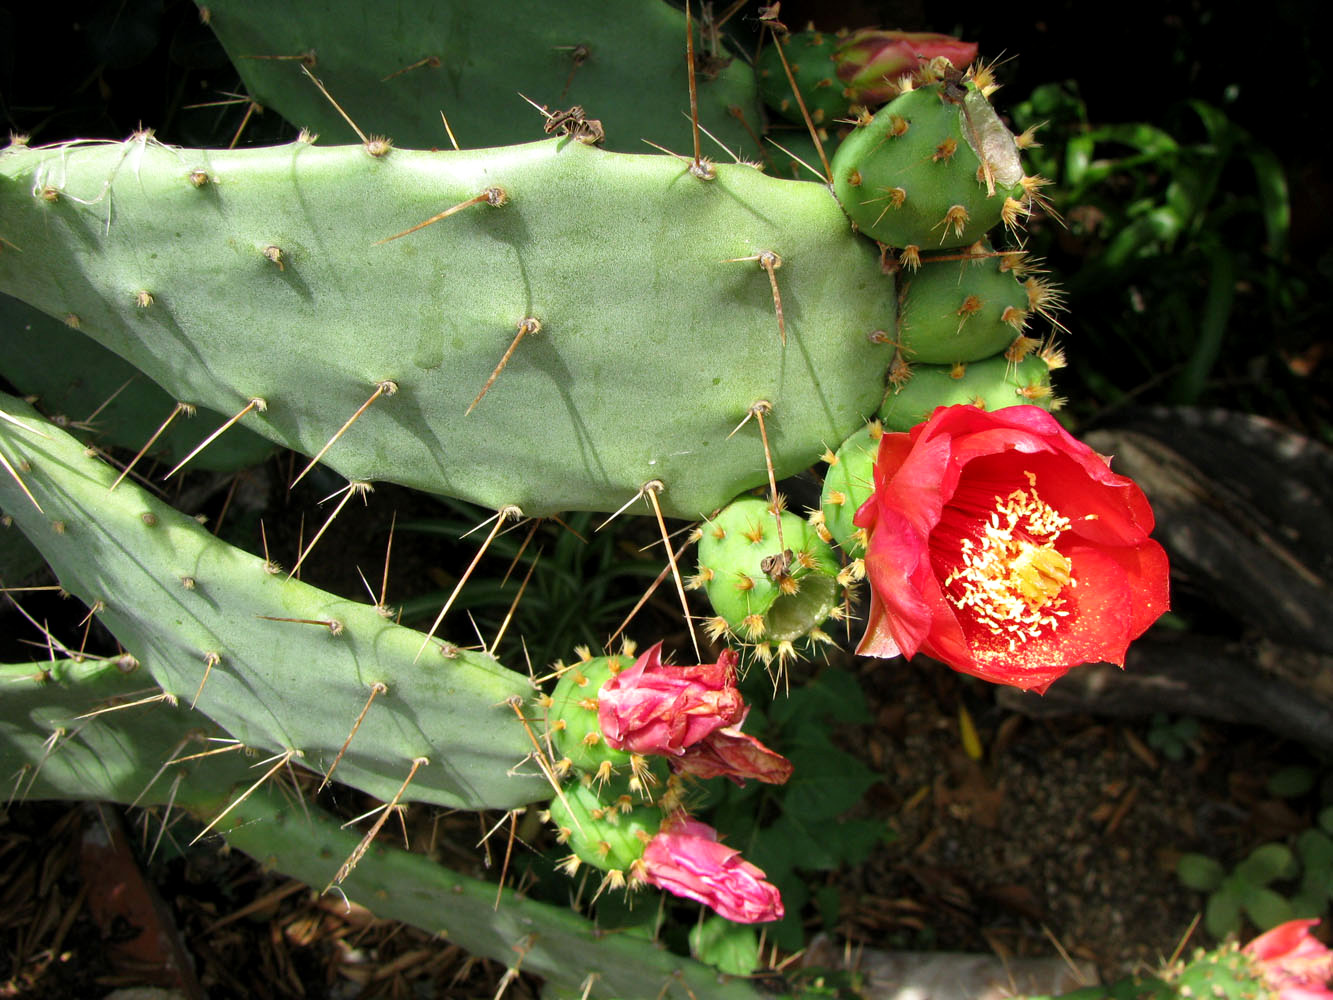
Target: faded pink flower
{"points": [[1292, 962], [691, 715], [652, 708], [736, 755], [686, 858]]}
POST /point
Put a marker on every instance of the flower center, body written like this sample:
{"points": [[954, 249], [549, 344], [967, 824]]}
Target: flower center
{"points": [[1009, 574]]}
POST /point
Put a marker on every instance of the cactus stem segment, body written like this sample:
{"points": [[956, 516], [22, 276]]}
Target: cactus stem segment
{"points": [[386, 388], [650, 490], [176, 411], [376, 689], [527, 325], [359, 851], [505, 514], [254, 404], [493, 196], [352, 488]]}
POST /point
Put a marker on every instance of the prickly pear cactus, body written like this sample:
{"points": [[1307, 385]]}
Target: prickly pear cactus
{"points": [[537, 327]]}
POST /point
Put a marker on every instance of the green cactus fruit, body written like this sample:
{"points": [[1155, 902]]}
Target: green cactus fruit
{"points": [[571, 716], [605, 825], [966, 310], [766, 586], [848, 484], [935, 167], [810, 56], [989, 385]]}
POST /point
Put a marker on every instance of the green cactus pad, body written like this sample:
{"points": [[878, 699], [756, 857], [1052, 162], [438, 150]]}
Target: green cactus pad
{"points": [[990, 384], [572, 715], [53, 747], [278, 663], [657, 326], [760, 594], [73, 377], [848, 484], [961, 310], [397, 71], [603, 825], [911, 176]]}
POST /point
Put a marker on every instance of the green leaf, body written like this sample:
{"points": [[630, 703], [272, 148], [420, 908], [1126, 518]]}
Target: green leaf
{"points": [[1266, 863], [826, 782], [1326, 819], [1316, 850], [1266, 908], [1222, 914], [833, 694], [828, 900], [732, 948], [1289, 782], [1199, 872]]}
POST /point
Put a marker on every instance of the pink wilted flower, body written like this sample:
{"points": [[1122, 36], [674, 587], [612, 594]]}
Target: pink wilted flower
{"points": [[872, 60], [736, 755], [686, 858], [652, 708], [1292, 962], [689, 714]]}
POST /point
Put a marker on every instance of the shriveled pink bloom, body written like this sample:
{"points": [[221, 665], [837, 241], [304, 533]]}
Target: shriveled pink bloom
{"points": [[1293, 963], [686, 858], [873, 60], [652, 708], [736, 755]]}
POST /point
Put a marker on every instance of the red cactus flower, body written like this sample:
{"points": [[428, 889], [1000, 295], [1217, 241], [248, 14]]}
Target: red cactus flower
{"points": [[652, 708], [688, 714], [686, 858], [1293, 964], [1006, 548], [872, 60]]}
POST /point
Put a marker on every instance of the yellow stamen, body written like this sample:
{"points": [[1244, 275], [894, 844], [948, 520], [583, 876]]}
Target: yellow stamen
{"points": [[1011, 576]]}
